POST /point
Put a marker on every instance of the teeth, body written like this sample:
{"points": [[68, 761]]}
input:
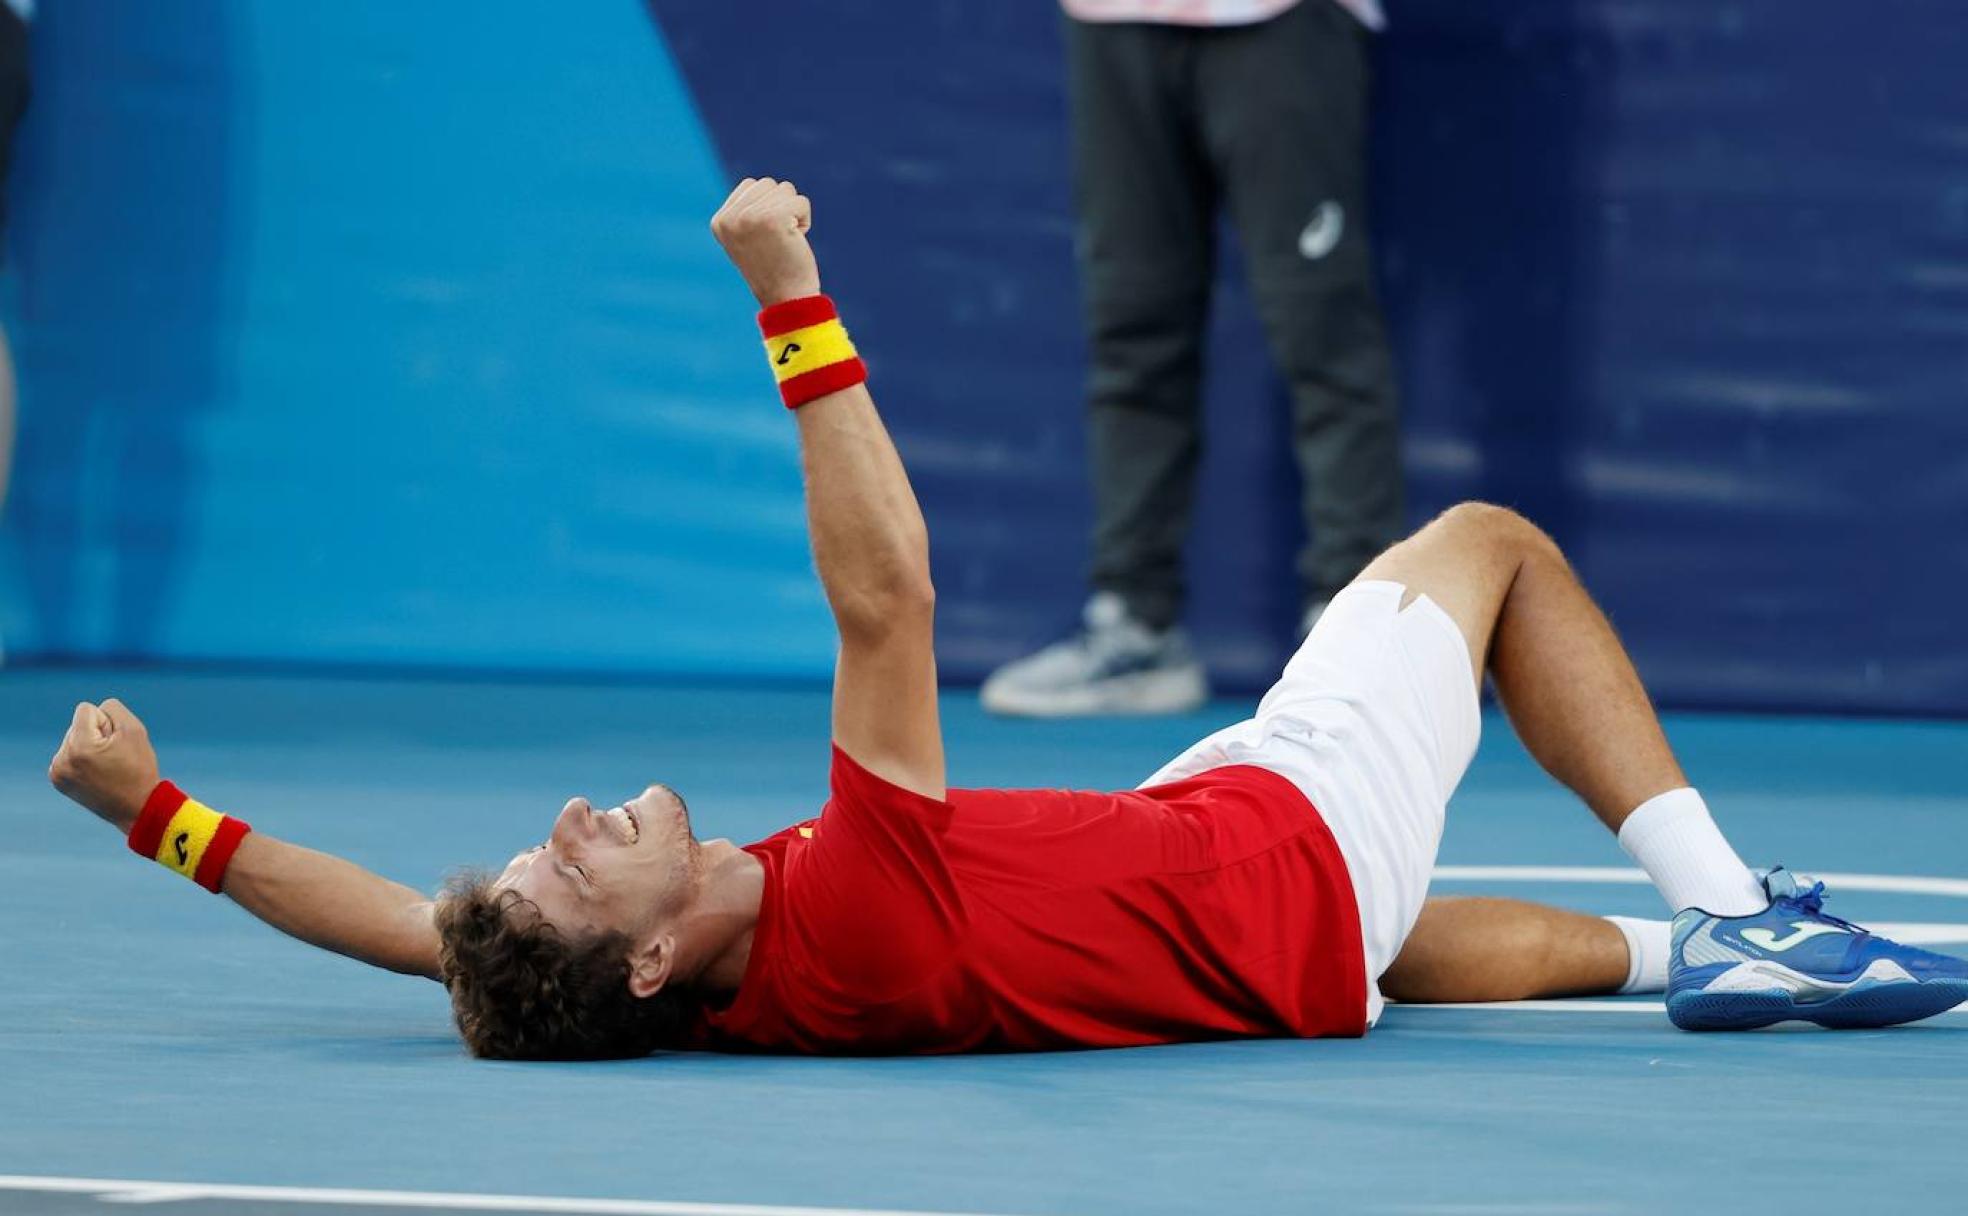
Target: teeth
{"points": [[625, 822]]}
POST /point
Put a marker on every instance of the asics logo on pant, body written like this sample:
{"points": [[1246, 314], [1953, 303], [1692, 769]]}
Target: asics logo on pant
{"points": [[1322, 232]]}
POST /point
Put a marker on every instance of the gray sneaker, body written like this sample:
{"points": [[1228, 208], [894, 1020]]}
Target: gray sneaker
{"points": [[1113, 665]]}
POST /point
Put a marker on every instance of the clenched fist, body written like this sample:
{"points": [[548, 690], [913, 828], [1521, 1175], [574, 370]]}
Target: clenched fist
{"points": [[762, 227], [106, 762]]}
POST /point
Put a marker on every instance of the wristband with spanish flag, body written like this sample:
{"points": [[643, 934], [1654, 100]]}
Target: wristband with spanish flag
{"points": [[183, 834], [809, 350]]}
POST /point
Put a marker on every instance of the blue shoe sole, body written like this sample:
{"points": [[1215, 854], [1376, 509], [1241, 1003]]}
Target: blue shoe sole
{"points": [[1862, 1008]]}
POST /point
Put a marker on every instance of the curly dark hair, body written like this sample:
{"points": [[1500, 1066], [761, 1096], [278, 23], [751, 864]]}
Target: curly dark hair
{"points": [[522, 990]]}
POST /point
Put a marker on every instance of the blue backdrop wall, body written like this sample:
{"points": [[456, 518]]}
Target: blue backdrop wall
{"points": [[379, 333]]}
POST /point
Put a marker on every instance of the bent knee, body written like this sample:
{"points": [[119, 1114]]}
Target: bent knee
{"points": [[1499, 526], [1487, 517]]}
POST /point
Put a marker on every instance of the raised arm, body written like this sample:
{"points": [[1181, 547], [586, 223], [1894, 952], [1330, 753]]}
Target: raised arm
{"points": [[869, 540], [106, 763]]}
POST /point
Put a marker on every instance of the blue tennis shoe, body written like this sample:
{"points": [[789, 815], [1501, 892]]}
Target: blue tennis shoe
{"points": [[1793, 962]]}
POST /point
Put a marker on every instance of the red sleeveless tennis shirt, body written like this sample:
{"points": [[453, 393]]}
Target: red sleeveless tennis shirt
{"points": [[1008, 920]]}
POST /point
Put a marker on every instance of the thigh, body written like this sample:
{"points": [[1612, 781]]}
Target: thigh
{"points": [[1145, 244], [1464, 561], [1385, 676], [1283, 115], [1141, 183], [1375, 720]]}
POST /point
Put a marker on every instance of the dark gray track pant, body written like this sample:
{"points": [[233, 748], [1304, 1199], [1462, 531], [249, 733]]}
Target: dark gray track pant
{"points": [[1267, 121]]}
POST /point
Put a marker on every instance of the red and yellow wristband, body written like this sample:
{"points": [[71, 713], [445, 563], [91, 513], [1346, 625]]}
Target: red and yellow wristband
{"points": [[183, 834], [809, 350]]}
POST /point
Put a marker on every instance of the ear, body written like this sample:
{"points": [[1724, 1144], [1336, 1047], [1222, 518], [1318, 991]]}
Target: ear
{"points": [[650, 965]]}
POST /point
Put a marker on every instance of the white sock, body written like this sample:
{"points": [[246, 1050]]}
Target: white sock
{"points": [[1675, 841], [1646, 953]]}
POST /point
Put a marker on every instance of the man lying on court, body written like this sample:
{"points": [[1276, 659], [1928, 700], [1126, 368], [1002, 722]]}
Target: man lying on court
{"points": [[1270, 881]]}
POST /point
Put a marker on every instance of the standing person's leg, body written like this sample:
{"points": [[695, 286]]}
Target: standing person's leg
{"points": [[1285, 120], [1146, 247]]}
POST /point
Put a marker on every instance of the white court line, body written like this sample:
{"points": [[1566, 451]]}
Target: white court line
{"points": [[115, 1190], [1606, 1006], [1894, 884]]}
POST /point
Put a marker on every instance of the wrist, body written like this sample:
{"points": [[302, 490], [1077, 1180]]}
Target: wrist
{"points": [[780, 293], [808, 349], [186, 836], [119, 810], [124, 815]]}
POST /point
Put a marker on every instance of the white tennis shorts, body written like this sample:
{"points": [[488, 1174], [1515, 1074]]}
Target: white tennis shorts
{"points": [[1375, 719]]}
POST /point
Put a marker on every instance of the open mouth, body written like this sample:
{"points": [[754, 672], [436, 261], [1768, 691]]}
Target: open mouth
{"points": [[625, 823]]}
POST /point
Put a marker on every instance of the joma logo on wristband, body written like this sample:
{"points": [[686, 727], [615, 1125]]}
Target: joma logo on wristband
{"points": [[186, 836], [809, 350]]}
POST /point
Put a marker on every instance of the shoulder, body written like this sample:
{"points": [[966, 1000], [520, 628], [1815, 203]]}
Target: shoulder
{"points": [[862, 795]]}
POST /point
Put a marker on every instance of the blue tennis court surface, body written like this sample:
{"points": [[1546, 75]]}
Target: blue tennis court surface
{"points": [[151, 1033]]}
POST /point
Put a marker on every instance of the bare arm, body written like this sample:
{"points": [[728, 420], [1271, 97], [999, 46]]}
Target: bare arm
{"points": [[872, 551], [106, 763], [869, 540], [334, 904]]}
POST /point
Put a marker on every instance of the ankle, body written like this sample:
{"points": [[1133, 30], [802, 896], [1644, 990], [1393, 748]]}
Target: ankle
{"points": [[1675, 840]]}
